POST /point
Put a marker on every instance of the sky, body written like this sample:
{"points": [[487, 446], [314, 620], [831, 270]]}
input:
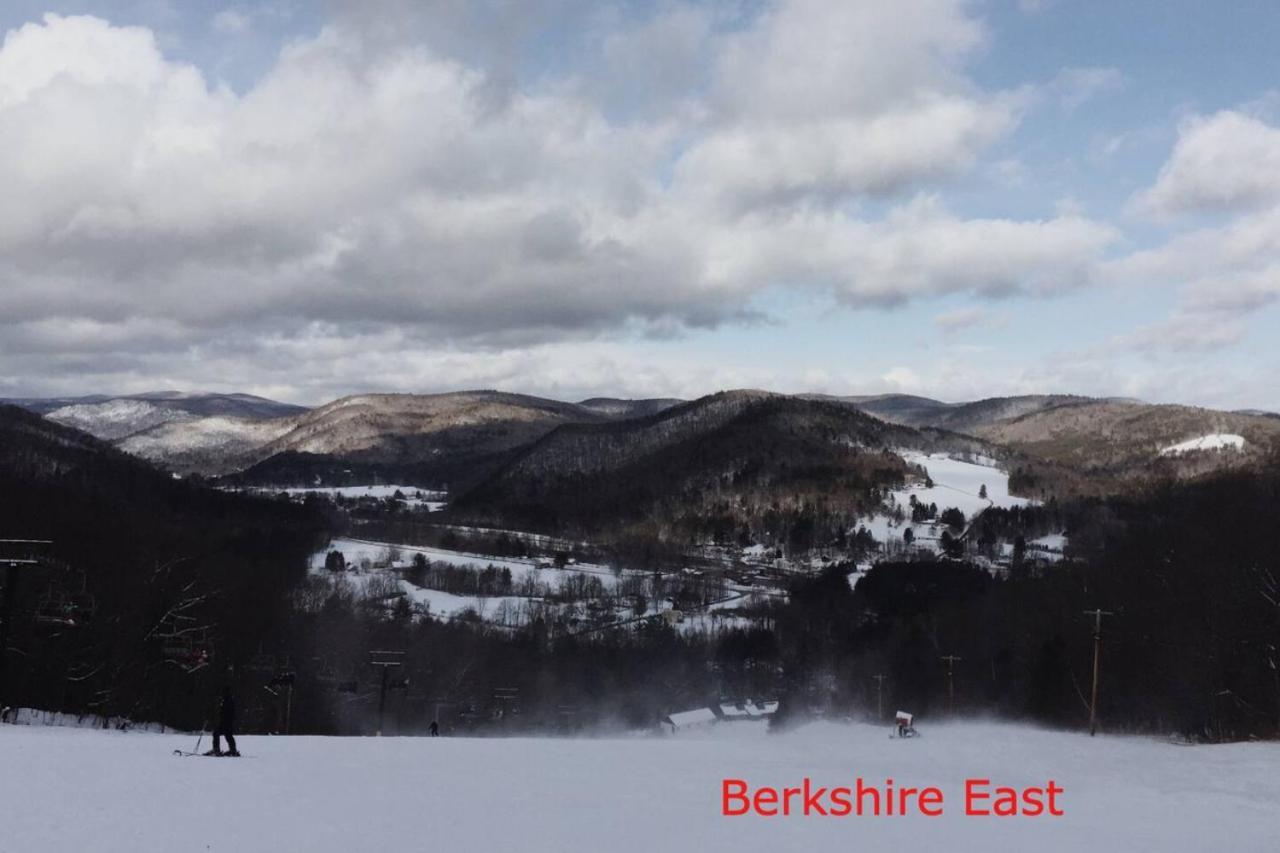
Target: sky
{"points": [[953, 198]]}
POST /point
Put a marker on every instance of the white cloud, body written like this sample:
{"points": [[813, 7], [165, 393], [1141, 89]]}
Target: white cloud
{"points": [[919, 250], [1228, 161], [1232, 269], [967, 319], [230, 21], [1075, 86], [379, 190], [821, 100]]}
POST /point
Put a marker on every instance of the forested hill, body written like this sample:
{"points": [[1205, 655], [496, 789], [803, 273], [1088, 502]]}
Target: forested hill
{"points": [[1189, 573], [741, 461], [142, 567]]}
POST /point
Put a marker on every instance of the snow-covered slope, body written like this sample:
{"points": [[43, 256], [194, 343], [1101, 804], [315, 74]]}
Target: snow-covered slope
{"points": [[68, 791], [1213, 441], [206, 432], [959, 483], [115, 419], [211, 444], [956, 483]]}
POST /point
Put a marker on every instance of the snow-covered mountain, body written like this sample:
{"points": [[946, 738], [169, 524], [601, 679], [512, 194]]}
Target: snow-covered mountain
{"points": [[208, 445], [183, 431], [116, 419]]}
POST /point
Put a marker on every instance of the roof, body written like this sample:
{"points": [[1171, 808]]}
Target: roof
{"points": [[698, 716]]}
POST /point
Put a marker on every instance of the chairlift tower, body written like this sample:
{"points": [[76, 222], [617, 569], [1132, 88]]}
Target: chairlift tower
{"points": [[22, 554], [951, 681], [386, 661]]}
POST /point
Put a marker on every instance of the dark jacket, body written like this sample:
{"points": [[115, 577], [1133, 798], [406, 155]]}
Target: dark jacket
{"points": [[227, 711]]}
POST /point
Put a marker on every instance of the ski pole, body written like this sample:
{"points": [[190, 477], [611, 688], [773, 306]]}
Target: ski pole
{"points": [[202, 728], [196, 751]]}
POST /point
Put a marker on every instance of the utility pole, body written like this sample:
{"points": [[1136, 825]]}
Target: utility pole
{"points": [[951, 681], [879, 695], [384, 661], [1097, 615], [10, 596]]}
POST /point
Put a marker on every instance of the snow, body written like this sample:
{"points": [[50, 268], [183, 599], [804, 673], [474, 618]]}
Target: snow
{"points": [[1049, 547], [414, 497], [446, 605], [68, 791], [115, 419], [206, 434], [38, 717], [1213, 441], [358, 550], [956, 483], [694, 718]]}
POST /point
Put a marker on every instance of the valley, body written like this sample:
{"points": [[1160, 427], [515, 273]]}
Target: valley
{"points": [[634, 559]]}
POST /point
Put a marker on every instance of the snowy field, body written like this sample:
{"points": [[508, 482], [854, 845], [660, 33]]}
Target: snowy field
{"points": [[956, 483], [413, 496], [511, 609], [1213, 441], [69, 791], [356, 551]]}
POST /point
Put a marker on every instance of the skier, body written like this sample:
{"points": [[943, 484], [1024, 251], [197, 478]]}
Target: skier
{"points": [[435, 729], [226, 726]]}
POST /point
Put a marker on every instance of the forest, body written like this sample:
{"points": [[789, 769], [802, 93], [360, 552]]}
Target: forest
{"points": [[156, 591]]}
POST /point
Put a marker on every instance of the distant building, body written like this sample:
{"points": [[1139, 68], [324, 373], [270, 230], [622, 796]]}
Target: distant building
{"points": [[698, 718]]}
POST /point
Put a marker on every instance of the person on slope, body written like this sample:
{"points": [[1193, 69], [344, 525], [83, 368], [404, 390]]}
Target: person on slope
{"points": [[226, 725]]}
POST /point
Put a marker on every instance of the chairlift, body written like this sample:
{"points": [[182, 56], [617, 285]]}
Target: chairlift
{"points": [[188, 652], [188, 648], [59, 608], [327, 674]]}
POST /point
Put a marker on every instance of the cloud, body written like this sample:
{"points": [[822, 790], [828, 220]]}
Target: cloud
{"points": [[822, 101], [230, 22], [1227, 270], [1184, 331], [920, 250], [1224, 274], [384, 187], [964, 319], [1075, 86], [1228, 161]]}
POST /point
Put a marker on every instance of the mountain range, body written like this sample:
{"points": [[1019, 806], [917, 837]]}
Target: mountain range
{"points": [[486, 438]]}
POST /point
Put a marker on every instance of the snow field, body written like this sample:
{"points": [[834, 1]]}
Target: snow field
{"points": [[413, 496], [1213, 441], [358, 550], [956, 483], [67, 791]]}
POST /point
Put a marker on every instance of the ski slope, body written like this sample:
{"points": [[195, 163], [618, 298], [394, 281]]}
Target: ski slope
{"points": [[957, 483], [1213, 441], [67, 791]]}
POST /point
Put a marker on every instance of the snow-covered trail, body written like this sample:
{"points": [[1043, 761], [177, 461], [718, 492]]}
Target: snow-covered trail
{"points": [[73, 790]]}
